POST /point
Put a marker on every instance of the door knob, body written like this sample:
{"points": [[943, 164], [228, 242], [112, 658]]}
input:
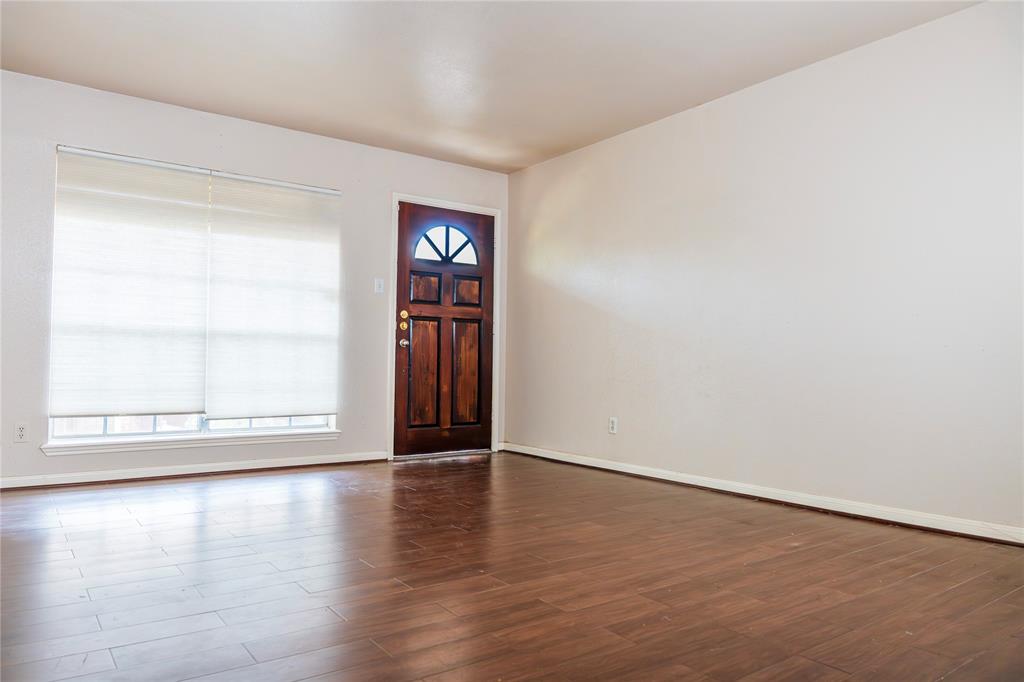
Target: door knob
{"points": [[404, 343]]}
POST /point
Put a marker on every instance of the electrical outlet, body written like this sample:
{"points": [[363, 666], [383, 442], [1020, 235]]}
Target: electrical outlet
{"points": [[20, 432], [613, 425]]}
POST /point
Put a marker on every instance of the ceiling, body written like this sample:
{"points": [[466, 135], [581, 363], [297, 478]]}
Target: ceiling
{"points": [[498, 85]]}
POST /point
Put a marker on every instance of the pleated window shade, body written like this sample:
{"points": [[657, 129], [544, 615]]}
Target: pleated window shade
{"points": [[273, 329], [180, 290]]}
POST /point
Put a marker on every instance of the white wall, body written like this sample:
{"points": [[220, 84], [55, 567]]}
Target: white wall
{"points": [[38, 114], [812, 286]]}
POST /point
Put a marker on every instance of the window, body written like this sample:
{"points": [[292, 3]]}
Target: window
{"points": [[184, 297], [446, 244], [177, 424]]}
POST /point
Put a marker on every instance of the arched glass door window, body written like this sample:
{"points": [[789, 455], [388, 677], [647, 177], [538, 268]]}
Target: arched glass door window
{"points": [[446, 244]]}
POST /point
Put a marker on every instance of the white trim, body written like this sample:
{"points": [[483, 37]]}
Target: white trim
{"points": [[130, 444], [183, 469], [909, 516], [498, 317]]}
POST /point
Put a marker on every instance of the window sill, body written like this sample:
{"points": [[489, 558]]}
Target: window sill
{"points": [[86, 446]]}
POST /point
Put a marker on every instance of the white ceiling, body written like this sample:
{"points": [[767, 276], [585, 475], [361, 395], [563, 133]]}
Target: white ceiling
{"points": [[495, 85]]}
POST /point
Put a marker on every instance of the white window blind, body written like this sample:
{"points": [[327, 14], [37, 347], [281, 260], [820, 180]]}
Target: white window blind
{"points": [[128, 331], [180, 290], [273, 331]]}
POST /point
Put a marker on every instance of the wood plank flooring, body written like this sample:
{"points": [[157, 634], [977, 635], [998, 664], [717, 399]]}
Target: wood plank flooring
{"points": [[507, 568]]}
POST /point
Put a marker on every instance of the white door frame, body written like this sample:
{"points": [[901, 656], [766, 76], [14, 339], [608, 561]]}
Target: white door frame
{"points": [[498, 326]]}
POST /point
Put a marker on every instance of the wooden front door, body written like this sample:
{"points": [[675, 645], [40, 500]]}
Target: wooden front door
{"points": [[443, 331]]}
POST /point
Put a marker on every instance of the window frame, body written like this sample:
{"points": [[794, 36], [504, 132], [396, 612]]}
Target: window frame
{"points": [[202, 437], [325, 225]]}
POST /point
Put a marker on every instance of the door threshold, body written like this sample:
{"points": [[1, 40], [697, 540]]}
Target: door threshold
{"points": [[447, 454]]}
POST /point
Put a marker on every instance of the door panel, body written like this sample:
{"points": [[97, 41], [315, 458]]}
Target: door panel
{"points": [[466, 372], [424, 371], [425, 288], [467, 291], [444, 330]]}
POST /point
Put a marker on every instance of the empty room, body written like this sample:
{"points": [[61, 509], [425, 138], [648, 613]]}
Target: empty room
{"points": [[436, 341]]}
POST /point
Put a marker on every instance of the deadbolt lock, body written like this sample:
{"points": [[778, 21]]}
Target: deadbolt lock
{"points": [[403, 325], [404, 314]]}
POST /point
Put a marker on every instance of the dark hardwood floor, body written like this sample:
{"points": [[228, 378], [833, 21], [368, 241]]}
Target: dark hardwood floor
{"points": [[482, 569]]}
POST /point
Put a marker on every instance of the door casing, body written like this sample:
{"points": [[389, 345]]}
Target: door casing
{"points": [[498, 324]]}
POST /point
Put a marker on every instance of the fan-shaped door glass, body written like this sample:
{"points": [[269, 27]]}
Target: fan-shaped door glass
{"points": [[446, 244]]}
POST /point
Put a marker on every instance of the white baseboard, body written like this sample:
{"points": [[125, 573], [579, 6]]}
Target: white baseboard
{"points": [[908, 516], [181, 469]]}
